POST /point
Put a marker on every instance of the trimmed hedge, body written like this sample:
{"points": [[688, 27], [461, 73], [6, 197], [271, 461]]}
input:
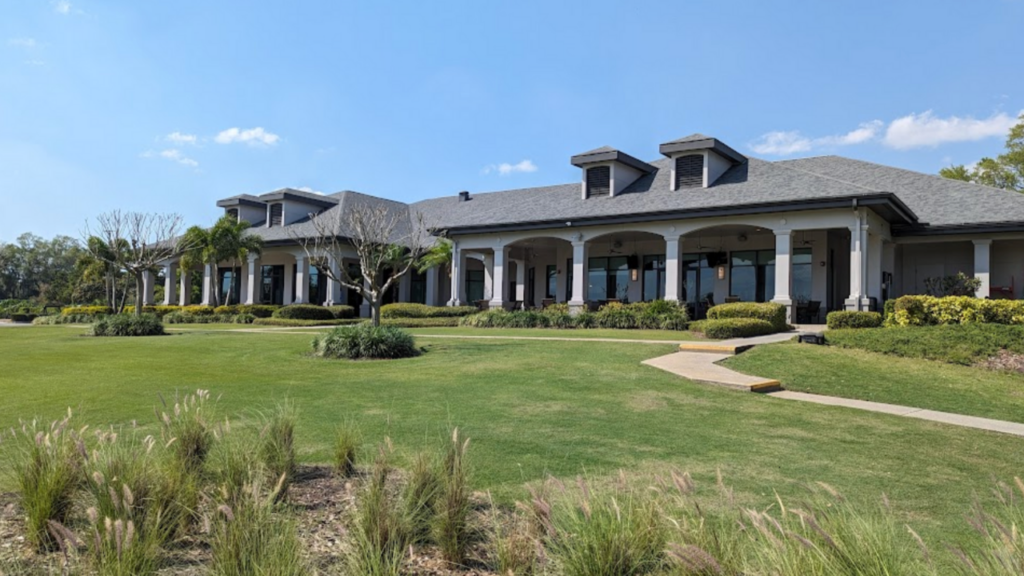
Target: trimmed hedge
{"points": [[964, 344], [86, 311], [656, 315], [413, 310], [127, 325], [421, 322], [342, 311], [257, 310], [198, 310], [931, 311], [297, 322], [304, 312], [726, 328], [853, 319], [365, 341], [186, 318], [771, 312]]}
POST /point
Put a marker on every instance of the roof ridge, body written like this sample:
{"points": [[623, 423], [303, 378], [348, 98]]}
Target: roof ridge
{"points": [[907, 170], [825, 177]]}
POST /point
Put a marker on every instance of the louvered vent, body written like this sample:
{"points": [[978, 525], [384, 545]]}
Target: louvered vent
{"points": [[599, 181], [690, 171], [233, 212], [276, 214]]}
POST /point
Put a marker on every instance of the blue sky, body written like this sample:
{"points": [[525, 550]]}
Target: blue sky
{"points": [[163, 106]]}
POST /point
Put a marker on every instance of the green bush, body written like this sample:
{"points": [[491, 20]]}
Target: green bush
{"points": [[297, 323], [303, 312], [243, 319], [257, 310], [413, 310], [929, 310], [365, 341], [342, 311], [726, 328], [198, 310], [187, 318], [771, 312], [127, 325], [247, 537], [853, 319], [226, 310], [160, 311], [18, 317], [956, 344], [86, 311], [346, 450], [656, 315], [62, 319], [421, 322]]}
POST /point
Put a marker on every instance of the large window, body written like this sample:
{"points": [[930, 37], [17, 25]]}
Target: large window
{"points": [[272, 284], [568, 279], [752, 275], [802, 269], [654, 277], [230, 285], [418, 286], [474, 285], [354, 298], [552, 285], [608, 278], [698, 279]]}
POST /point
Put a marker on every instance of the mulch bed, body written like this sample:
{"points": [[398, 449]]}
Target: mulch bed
{"points": [[320, 502], [1006, 361]]}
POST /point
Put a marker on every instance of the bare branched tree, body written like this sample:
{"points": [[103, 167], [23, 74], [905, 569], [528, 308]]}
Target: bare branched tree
{"points": [[140, 243], [388, 242]]}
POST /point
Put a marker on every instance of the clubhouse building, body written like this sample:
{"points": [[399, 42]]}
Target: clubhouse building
{"points": [[703, 224]]}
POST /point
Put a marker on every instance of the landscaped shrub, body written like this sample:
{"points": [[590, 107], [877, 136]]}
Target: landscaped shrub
{"points": [[342, 311], [47, 469], [26, 318], [413, 310], [128, 325], [86, 311], [654, 315], [188, 430], [297, 323], [421, 322], [965, 344], [616, 315], [226, 310], [346, 449], [160, 311], [365, 341], [198, 310], [929, 310], [248, 538], [452, 506], [853, 319], [771, 312], [243, 319], [723, 329], [380, 528], [277, 447], [421, 492], [304, 312]]}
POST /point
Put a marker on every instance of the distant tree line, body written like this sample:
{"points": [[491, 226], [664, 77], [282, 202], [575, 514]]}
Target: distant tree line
{"points": [[1004, 171]]}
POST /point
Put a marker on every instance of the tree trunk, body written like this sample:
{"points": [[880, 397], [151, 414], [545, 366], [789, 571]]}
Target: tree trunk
{"points": [[375, 311]]}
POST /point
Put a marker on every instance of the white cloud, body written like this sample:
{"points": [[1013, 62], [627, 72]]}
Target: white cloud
{"points": [[505, 169], [782, 143], [62, 7], [921, 130], [180, 139], [308, 189], [252, 136], [28, 43], [172, 155]]}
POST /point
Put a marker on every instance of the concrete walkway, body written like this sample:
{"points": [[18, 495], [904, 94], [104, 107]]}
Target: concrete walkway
{"points": [[931, 415], [703, 367]]}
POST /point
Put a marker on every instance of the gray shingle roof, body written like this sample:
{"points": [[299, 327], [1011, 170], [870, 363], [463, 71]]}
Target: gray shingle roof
{"points": [[345, 200], [937, 201]]}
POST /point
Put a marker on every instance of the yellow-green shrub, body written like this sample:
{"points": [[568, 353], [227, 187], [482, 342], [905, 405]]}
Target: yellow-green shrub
{"points": [[161, 310], [85, 310], [771, 312], [198, 310], [929, 310]]}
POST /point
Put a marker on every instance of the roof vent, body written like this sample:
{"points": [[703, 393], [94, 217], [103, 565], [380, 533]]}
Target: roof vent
{"points": [[464, 196], [608, 172]]}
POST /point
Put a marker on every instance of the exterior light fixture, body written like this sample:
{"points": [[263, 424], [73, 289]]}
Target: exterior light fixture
{"points": [[633, 274], [721, 272]]}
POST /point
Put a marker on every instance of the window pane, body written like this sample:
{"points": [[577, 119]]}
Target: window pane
{"points": [[597, 284], [552, 281], [769, 283], [707, 284], [765, 257], [746, 258], [802, 256], [802, 282], [743, 283]]}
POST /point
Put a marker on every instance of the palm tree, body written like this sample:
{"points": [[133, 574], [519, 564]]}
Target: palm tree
{"points": [[96, 264], [439, 255], [225, 241]]}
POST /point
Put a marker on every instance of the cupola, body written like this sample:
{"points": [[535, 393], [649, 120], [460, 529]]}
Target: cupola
{"points": [[699, 160], [607, 171]]}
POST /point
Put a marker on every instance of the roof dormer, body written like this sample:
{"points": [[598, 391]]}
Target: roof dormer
{"points": [[607, 171], [288, 206], [244, 208], [699, 160]]}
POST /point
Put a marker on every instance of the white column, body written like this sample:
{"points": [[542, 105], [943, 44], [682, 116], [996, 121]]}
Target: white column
{"points": [[982, 267], [784, 270], [579, 276], [873, 288], [432, 286], [498, 277], [673, 286], [148, 280], [170, 283], [858, 264], [520, 295], [458, 268], [488, 261], [207, 285], [333, 287], [301, 288], [185, 290], [252, 280]]}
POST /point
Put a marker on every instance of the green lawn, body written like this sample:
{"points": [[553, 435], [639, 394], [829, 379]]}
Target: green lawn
{"points": [[884, 378], [531, 408], [666, 335]]}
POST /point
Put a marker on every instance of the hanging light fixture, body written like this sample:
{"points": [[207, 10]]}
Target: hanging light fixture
{"points": [[721, 271]]}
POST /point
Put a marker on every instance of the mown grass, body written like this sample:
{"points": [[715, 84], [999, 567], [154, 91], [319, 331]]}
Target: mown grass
{"points": [[964, 344], [864, 375], [531, 407]]}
